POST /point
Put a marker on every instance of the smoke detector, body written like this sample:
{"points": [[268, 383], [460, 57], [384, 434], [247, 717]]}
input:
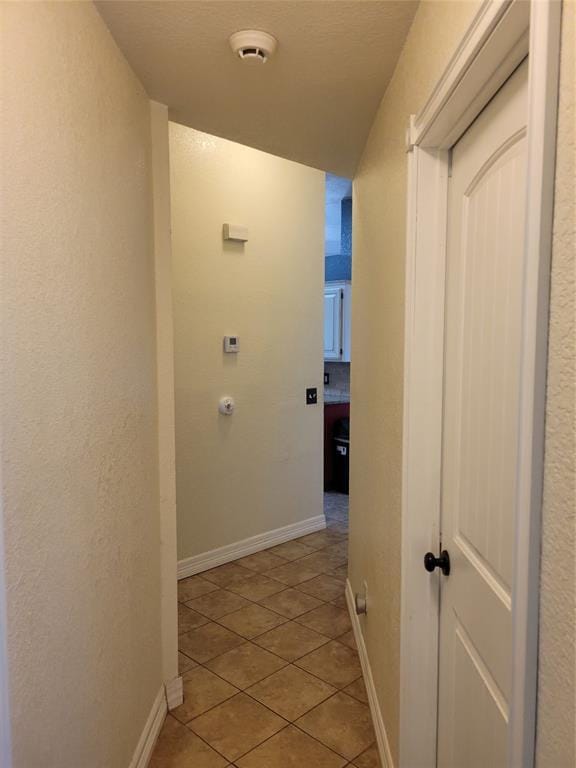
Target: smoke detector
{"points": [[252, 45]]}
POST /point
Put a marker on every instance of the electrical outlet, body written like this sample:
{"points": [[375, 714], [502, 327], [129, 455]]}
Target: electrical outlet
{"points": [[311, 396]]}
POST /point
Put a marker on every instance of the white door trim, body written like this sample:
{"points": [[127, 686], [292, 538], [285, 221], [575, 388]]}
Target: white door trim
{"points": [[500, 36]]}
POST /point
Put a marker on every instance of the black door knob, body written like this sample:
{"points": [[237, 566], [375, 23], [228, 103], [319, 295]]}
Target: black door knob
{"points": [[443, 562]]}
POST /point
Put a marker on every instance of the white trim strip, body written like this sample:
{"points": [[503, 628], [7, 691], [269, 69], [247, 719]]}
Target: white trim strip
{"points": [[492, 48], [150, 732], [206, 560], [379, 728], [174, 692], [543, 79]]}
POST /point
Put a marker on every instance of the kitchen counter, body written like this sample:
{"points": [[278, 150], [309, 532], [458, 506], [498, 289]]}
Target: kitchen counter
{"points": [[336, 399]]}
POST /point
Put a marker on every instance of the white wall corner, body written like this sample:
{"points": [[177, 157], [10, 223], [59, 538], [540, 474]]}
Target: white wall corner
{"points": [[174, 693], [150, 732], [379, 728], [165, 387]]}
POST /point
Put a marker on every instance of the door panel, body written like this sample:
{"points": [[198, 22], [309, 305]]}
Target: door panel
{"points": [[332, 323], [480, 428]]}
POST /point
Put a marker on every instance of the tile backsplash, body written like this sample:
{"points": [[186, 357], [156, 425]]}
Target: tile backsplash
{"points": [[339, 386]]}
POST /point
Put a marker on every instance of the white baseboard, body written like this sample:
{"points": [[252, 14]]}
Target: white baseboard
{"points": [[379, 728], [203, 562], [150, 732], [174, 693]]}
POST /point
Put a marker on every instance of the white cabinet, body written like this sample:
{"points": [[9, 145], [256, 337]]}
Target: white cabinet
{"points": [[337, 321]]}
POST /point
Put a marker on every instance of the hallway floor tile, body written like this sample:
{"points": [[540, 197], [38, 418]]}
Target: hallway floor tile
{"points": [[271, 673]]}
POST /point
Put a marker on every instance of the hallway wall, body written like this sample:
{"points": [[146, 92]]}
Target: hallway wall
{"points": [[556, 742], [378, 328], [261, 468], [78, 391], [377, 376]]}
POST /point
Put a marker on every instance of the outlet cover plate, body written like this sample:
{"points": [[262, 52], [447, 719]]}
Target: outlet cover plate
{"points": [[311, 396]]}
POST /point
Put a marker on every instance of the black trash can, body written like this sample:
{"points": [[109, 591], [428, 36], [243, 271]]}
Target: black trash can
{"points": [[342, 455]]}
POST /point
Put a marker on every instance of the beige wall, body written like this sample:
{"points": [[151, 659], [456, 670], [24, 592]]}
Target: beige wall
{"points": [[378, 309], [79, 434], [379, 239], [556, 742], [261, 468]]}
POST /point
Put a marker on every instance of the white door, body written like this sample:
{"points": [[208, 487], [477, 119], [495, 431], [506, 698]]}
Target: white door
{"points": [[480, 429], [332, 323]]}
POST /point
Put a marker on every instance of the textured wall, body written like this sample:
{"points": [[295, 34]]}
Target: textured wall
{"points": [[260, 468], [556, 743], [378, 274], [79, 440], [379, 226]]}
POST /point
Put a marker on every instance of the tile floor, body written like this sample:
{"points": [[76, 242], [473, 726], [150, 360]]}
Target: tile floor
{"points": [[270, 668]]}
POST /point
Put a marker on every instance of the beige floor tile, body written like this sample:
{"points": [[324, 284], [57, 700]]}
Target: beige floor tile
{"points": [[291, 692], [322, 561], [342, 724], [334, 663], [194, 586], [217, 604], [202, 691], [368, 759], [349, 640], [290, 748], [251, 621], [357, 689], [257, 587], [341, 572], [339, 518], [207, 642], [340, 601], [261, 561], [185, 663], [338, 526], [291, 550], [291, 603], [178, 747], [291, 641], [227, 575], [246, 665], [189, 619], [237, 726], [323, 587], [327, 619], [339, 548], [293, 573], [320, 539]]}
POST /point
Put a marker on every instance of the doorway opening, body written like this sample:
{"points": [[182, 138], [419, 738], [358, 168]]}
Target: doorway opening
{"points": [[337, 346], [261, 283]]}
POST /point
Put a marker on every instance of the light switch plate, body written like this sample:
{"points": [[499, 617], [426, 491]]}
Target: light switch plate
{"points": [[311, 396]]}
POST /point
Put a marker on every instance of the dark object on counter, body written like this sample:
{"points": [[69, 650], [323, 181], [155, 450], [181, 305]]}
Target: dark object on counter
{"points": [[332, 413], [342, 455]]}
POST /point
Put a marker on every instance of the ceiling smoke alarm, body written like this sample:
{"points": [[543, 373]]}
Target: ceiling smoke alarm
{"points": [[252, 45]]}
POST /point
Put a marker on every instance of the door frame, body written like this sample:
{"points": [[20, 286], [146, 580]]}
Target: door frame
{"points": [[501, 35]]}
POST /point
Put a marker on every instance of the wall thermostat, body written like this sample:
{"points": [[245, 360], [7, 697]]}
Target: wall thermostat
{"points": [[231, 344]]}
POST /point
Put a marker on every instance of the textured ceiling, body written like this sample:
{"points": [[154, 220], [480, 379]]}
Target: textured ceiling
{"points": [[313, 102]]}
